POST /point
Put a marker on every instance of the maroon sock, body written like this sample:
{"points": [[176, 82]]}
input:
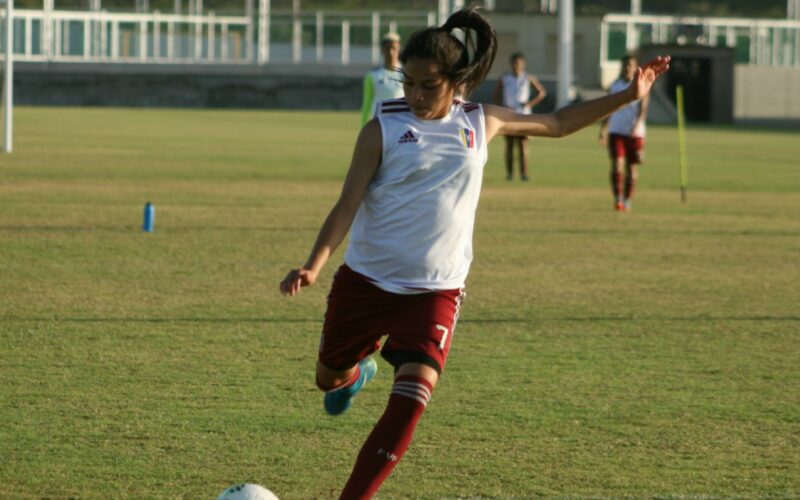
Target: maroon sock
{"points": [[616, 184], [390, 438], [630, 183]]}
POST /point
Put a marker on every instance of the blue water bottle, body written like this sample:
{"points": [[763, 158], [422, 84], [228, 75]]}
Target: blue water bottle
{"points": [[149, 217]]}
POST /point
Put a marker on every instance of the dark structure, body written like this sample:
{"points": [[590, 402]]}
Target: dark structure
{"points": [[707, 77]]}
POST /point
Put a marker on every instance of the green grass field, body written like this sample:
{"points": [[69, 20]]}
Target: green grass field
{"points": [[599, 354]]}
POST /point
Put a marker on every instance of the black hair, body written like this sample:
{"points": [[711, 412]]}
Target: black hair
{"points": [[624, 60], [515, 56], [451, 54]]}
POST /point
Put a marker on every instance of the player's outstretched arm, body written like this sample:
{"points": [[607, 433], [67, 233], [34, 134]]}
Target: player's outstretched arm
{"points": [[577, 116], [366, 158]]}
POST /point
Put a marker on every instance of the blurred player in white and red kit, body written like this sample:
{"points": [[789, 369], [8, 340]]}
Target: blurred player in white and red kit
{"points": [[624, 132], [409, 202]]}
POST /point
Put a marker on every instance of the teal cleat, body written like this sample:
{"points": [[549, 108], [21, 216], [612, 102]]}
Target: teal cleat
{"points": [[339, 400]]}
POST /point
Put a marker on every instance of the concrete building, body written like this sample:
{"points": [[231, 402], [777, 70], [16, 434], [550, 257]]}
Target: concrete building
{"points": [[316, 59]]}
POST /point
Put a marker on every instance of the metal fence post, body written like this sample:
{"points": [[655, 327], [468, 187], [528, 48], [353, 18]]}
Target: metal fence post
{"points": [[156, 34], [249, 10], [87, 39], [114, 40], [297, 39], [28, 36], [376, 36], [170, 39], [223, 42], [320, 35], [142, 40], [47, 29], [8, 86], [212, 37], [263, 31], [345, 42]]}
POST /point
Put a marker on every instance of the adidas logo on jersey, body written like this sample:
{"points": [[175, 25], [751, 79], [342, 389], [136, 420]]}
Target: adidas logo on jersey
{"points": [[407, 137]]}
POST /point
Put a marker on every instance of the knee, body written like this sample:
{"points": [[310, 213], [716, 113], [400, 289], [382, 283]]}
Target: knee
{"points": [[418, 370], [325, 385], [328, 380]]}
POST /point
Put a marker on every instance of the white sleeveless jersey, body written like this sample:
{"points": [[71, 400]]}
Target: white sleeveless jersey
{"points": [[622, 121], [386, 84], [516, 92], [413, 230]]}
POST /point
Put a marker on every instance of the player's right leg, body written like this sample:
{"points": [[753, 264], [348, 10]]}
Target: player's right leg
{"points": [[633, 157], [341, 386], [509, 157], [616, 152], [617, 178], [523, 158]]}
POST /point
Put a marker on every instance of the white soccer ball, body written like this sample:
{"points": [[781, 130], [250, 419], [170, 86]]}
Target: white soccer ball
{"points": [[247, 492]]}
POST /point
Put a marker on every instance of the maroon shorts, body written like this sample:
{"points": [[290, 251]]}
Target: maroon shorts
{"points": [[420, 327], [630, 148]]}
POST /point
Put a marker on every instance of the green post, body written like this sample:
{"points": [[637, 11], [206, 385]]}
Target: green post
{"points": [[682, 143]]}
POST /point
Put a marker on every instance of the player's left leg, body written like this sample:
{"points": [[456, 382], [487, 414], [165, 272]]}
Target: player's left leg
{"points": [[631, 175], [391, 436], [523, 158], [633, 157]]}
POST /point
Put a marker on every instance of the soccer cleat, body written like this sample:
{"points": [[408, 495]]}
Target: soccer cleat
{"points": [[627, 206], [619, 207], [338, 401], [524, 177]]}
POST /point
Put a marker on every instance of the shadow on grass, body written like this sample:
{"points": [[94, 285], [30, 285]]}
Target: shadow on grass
{"points": [[590, 231], [133, 229], [468, 321]]}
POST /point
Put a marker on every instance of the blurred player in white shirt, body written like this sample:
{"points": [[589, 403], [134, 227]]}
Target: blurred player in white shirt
{"points": [[513, 91]]}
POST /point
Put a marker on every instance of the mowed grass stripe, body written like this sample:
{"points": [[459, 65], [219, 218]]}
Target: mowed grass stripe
{"points": [[598, 354]]}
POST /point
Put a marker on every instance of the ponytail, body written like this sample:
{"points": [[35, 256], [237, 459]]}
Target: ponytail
{"points": [[464, 63]]}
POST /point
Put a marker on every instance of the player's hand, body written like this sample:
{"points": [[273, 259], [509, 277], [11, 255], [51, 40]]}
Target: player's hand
{"points": [[602, 138], [296, 279], [646, 75]]}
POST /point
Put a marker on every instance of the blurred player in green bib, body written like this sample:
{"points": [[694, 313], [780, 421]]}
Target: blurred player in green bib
{"points": [[384, 82]]}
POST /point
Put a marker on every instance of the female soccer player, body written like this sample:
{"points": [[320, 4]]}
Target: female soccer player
{"points": [[623, 132], [410, 196]]}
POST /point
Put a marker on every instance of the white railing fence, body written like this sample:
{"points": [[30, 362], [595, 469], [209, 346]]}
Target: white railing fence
{"points": [[155, 37], [757, 42]]}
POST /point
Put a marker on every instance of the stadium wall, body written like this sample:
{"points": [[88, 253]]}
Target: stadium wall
{"points": [[192, 86], [767, 95], [536, 36], [268, 87]]}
